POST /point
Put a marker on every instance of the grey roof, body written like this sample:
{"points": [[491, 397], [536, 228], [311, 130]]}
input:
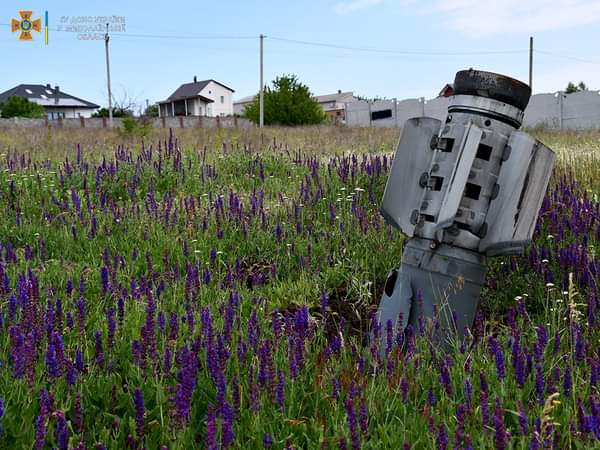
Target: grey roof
{"points": [[45, 96], [338, 96], [244, 100], [188, 90]]}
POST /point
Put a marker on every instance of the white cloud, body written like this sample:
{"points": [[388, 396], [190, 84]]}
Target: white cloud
{"points": [[351, 6], [485, 17]]}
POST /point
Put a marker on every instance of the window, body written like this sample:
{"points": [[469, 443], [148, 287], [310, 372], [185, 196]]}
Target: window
{"points": [[56, 115], [28, 91], [49, 92], [383, 114], [44, 97], [222, 99]]}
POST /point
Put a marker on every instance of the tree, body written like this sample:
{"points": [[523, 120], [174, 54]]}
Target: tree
{"points": [[151, 111], [572, 87], [288, 102], [124, 107], [117, 112], [20, 107]]}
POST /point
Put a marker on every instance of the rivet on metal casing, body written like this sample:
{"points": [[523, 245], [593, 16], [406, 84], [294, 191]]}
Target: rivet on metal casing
{"points": [[449, 118], [424, 205], [434, 142], [424, 179], [435, 167], [414, 217]]}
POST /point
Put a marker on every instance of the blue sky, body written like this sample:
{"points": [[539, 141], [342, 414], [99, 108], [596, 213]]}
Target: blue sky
{"points": [[429, 31]]}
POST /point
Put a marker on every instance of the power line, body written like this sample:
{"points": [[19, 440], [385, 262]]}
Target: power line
{"points": [[391, 51], [166, 36], [574, 58], [126, 36]]}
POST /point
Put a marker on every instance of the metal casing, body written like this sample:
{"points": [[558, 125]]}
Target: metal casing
{"points": [[403, 193], [523, 181]]}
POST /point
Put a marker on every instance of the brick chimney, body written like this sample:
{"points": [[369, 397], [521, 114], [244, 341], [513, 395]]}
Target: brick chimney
{"points": [[195, 79], [56, 94]]}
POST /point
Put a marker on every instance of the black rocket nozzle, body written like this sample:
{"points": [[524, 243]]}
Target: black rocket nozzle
{"points": [[492, 85]]}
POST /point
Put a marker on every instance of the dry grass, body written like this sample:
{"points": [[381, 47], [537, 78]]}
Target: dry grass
{"points": [[576, 150]]}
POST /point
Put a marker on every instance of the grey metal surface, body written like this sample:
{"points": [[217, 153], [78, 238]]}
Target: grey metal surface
{"points": [[472, 191], [457, 179], [487, 105], [443, 281], [523, 181], [403, 193]]}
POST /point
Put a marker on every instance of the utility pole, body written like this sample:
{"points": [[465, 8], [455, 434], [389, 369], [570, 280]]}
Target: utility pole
{"points": [[261, 100], [110, 115], [531, 62]]}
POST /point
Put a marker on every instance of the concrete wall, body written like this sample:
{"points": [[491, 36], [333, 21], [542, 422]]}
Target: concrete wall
{"points": [[162, 122], [580, 110]]}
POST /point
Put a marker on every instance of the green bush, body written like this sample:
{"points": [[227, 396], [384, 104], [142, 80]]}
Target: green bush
{"points": [[289, 102], [20, 107]]}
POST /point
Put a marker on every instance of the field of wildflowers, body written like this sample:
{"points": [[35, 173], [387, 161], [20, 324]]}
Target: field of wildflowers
{"points": [[216, 292]]}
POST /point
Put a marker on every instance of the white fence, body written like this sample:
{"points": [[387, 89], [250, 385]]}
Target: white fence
{"points": [[580, 110]]}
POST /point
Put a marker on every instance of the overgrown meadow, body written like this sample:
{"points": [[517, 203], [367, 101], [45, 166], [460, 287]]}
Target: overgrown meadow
{"points": [[216, 291]]}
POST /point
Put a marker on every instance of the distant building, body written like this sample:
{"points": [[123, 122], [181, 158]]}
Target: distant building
{"points": [[334, 105], [58, 104], [240, 105], [447, 90], [199, 98]]}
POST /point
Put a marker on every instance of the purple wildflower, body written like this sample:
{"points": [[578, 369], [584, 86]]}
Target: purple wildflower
{"points": [[99, 349], [523, 422], [280, 390], [363, 416], [51, 362], [351, 417], [210, 440], [227, 434], [267, 440], [62, 431], [40, 432], [501, 434], [138, 400], [442, 437], [567, 381]]}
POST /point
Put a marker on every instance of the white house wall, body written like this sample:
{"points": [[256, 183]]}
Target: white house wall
{"points": [[214, 91], [71, 113]]}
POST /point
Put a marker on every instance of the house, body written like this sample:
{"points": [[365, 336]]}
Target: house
{"points": [[240, 105], [334, 105], [58, 104], [447, 90], [199, 98]]}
